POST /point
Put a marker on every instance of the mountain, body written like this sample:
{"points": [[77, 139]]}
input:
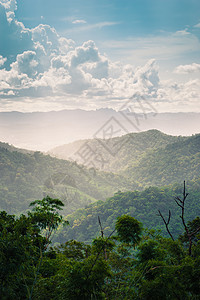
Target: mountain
{"points": [[142, 205], [165, 165], [45, 130], [11, 148], [117, 153], [149, 158], [141, 160], [28, 176]]}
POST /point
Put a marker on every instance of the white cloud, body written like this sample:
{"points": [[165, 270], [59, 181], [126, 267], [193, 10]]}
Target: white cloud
{"points": [[182, 94], [79, 22], [26, 64], [9, 5], [2, 60], [197, 25], [101, 25], [89, 27], [39, 66], [185, 69], [88, 52], [182, 32], [57, 79], [14, 37], [166, 47]]}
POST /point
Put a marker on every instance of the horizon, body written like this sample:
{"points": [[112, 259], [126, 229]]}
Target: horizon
{"points": [[48, 152], [42, 131], [97, 109]]}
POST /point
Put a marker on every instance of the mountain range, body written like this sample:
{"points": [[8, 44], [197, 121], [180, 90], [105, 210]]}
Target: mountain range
{"points": [[145, 158], [43, 131], [142, 159]]}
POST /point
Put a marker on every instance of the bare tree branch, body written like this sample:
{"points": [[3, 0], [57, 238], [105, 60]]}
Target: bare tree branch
{"points": [[183, 217], [167, 223]]}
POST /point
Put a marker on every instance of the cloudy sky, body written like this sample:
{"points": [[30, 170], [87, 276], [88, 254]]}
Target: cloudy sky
{"points": [[90, 54]]}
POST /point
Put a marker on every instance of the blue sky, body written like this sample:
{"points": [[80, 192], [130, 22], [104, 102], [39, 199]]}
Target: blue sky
{"points": [[150, 47], [134, 16]]}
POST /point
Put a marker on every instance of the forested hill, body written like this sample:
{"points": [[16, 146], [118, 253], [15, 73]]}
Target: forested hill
{"points": [[12, 148], [172, 163], [28, 176], [120, 152], [148, 158], [144, 159], [144, 206]]}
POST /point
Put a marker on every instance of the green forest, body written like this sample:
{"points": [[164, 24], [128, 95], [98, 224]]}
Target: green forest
{"points": [[143, 205], [28, 176], [130, 231], [146, 159], [129, 263]]}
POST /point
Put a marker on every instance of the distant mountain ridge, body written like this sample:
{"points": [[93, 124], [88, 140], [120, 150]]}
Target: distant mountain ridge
{"points": [[45, 130], [131, 147], [144, 159], [13, 148]]}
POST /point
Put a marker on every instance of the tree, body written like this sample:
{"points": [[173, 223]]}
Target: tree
{"points": [[129, 229], [23, 242], [189, 234], [45, 215], [20, 244]]}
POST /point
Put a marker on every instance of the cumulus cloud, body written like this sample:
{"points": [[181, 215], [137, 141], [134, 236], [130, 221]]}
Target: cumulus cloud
{"points": [[26, 63], [14, 37], [39, 64], [185, 69], [9, 5], [183, 94]]}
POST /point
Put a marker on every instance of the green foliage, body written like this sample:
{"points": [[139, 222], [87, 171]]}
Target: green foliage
{"points": [[45, 213], [142, 205], [131, 266], [146, 159], [103, 245], [74, 249], [22, 245], [19, 248], [149, 158], [194, 231], [28, 176], [135, 146], [129, 229], [86, 266], [170, 164]]}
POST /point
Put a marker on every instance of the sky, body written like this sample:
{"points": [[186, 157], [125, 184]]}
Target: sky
{"points": [[91, 54]]}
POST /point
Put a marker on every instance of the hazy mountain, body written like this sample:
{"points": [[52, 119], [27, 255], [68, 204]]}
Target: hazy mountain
{"points": [[115, 154], [25, 177], [145, 159], [12, 148], [45, 130]]}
